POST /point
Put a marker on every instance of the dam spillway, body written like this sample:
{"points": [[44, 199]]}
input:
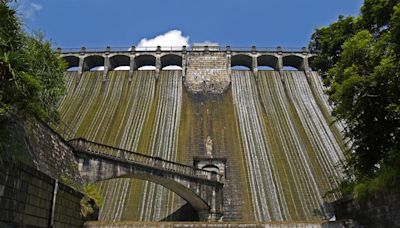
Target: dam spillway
{"points": [[273, 127]]}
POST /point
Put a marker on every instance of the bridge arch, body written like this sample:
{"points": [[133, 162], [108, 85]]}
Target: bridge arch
{"points": [[92, 61], [200, 188], [294, 61], [72, 61], [119, 62], [145, 60], [198, 204], [211, 168], [242, 60], [171, 60], [268, 61]]}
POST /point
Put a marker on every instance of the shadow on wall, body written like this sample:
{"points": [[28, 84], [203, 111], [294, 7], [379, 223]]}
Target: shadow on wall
{"points": [[185, 213]]}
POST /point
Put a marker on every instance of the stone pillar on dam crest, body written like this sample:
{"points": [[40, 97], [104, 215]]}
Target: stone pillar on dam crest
{"points": [[207, 72]]}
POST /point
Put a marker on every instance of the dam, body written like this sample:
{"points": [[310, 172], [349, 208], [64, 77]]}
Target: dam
{"points": [[261, 110]]}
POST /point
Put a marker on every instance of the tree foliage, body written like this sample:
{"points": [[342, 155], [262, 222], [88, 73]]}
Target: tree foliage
{"points": [[31, 74], [360, 63], [92, 200]]}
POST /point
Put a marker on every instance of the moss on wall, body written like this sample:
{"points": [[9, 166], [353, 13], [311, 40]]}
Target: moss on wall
{"points": [[271, 126]]}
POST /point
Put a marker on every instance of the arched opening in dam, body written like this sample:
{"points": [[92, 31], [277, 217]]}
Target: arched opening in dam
{"points": [[267, 62], [119, 62], [293, 62], [93, 63], [72, 61], [145, 62], [171, 62], [185, 205], [241, 62], [211, 168]]}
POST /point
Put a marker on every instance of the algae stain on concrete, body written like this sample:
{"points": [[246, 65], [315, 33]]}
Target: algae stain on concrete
{"points": [[212, 116], [138, 114]]}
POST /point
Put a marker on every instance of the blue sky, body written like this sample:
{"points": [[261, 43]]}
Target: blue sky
{"points": [[122, 23]]}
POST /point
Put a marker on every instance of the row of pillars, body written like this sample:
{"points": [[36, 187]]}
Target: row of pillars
{"points": [[279, 66], [132, 55]]}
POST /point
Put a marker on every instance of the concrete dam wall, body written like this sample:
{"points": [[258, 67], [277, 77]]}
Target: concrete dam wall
{"points": [[273, 127]]}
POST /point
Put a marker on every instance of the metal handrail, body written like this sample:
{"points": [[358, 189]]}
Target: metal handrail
{"points": [[142, 159], [181, 48]]}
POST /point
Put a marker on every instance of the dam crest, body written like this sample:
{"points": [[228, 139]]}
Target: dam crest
{"points": [[204, 69]]}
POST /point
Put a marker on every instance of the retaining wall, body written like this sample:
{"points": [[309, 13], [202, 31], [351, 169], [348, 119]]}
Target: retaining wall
{"points": [[26, 198], [378, 211], [35, 144]]}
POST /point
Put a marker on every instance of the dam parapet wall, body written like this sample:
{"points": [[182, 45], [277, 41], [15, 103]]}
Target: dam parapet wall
{"points": [[204, 69]]}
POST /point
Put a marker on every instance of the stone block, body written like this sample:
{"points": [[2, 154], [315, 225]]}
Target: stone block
{"points": [[11, 204], [30, 220], [46, 204], [30, 209], [32, 190], [17, 217], [10, 215], [42, 213], [21, 206], [34, 200]]}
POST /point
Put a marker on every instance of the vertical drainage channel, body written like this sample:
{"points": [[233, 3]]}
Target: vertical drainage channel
{"points": [[53, 204]]}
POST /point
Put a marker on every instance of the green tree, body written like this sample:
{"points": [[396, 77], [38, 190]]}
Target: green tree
{"points": [[31, 73], [359, 61]]}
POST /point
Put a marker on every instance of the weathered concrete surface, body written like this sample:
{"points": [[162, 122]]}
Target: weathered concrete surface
{"points": [[207, 72], [277, 109], [211, 117]]}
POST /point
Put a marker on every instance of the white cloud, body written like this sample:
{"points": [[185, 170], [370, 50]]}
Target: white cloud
{"points": [[28, 9], [173, 38]]}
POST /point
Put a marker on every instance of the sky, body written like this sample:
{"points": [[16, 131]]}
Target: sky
{"points": [[238, 23]]}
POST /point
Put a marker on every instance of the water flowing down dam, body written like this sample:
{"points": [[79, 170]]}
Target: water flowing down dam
{"points": [[273, 127]]}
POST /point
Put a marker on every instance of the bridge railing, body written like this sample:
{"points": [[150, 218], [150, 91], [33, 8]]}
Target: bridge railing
{"points": [[181, 48], [82, 144]]}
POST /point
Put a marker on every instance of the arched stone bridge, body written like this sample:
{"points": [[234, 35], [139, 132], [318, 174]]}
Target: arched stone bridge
{"points": [[202, 189], [159, 57]]}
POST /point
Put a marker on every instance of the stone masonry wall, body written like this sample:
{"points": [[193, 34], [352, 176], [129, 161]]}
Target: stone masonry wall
{"points": [[53, 155], [35, 144], [378, 211], [26, 200], [207, 72], [32, 157]]}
